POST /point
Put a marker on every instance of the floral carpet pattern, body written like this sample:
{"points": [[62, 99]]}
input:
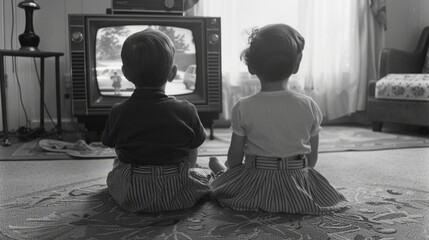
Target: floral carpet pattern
{"points": [[86, 211]]}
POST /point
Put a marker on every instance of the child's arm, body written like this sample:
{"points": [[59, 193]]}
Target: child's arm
{"points": [[193, 154], [312, 156], [235, 152]]}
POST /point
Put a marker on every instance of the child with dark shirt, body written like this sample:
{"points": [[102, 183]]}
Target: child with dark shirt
{"points": [[155, 136]]}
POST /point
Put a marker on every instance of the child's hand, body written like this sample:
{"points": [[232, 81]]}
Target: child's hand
{"points": [[215, 165]]}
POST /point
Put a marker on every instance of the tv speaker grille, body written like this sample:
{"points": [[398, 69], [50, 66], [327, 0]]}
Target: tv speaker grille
{"points": [[78, 75], [214, 79]]}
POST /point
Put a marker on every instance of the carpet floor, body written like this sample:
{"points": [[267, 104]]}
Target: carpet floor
{"points": [[332, 139], [388, 191]]}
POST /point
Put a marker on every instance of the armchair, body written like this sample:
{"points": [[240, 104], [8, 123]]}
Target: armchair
{"points": [[402, 111]]}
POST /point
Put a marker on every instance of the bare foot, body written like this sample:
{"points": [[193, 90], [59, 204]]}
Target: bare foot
{"points": [[216, 166]]}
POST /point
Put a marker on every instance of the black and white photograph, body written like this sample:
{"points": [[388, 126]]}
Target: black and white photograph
{"points": [[214, 119]]}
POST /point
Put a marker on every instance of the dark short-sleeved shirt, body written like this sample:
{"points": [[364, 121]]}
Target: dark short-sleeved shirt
{"points": [[151, 128]]}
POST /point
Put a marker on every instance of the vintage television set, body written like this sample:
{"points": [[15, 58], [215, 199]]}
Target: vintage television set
{"points": [[95, 45]]}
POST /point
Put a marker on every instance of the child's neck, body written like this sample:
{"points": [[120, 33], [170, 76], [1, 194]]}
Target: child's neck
{"points": [[273, 86], [152, 88]]}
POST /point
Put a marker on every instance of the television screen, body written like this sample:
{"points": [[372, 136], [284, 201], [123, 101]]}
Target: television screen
{"points": [[110, 79]]}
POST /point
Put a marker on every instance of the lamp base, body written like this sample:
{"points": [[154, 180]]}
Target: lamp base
{"points": [[29, 41], [29, 49]]}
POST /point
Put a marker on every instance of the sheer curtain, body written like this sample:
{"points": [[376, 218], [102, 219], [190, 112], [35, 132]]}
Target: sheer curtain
{"points": [[342, 44]]}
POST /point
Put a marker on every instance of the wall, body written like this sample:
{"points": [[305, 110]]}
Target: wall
{"points": [[405, 21]]}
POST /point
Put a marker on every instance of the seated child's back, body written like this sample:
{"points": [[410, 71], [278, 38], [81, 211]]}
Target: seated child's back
{"points": [[155, 136], [276, 132]]}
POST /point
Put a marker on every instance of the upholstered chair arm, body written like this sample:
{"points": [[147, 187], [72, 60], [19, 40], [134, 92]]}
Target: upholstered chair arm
{"points": [[371, 88]]}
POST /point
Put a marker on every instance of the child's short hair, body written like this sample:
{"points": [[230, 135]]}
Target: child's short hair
{"points": [[273, 52], [148, 56]]}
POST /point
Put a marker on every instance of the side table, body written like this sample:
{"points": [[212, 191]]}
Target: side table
{"points": [[34, 54]]}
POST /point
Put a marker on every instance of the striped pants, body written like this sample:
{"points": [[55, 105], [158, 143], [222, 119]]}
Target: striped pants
{"points": [[278, 185], [157, 188]]}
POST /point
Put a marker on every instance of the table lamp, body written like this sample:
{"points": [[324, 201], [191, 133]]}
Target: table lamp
{"points": [[29, 40]]}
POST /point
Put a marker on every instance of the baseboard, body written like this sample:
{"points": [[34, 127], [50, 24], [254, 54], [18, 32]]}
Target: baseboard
{"points": [[359, 118], [66, 124]]}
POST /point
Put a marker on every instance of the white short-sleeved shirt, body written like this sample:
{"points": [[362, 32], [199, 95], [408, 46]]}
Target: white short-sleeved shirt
{"points": [[276, 124]]}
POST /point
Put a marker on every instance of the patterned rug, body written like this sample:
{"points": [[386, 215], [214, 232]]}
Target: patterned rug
{"points": [[86, 211], [332, 139]]}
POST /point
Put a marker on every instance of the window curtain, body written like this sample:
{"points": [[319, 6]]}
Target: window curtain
{"points": [[343, 39]]}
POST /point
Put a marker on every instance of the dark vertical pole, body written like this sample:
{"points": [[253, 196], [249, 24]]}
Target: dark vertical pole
{"points": [[3, 103], [58, 90], [42, 92]]}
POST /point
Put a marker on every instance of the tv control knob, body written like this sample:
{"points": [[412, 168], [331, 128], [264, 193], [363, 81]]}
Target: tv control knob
{"points": [[77, 37], [169, 3], [214, 38]]}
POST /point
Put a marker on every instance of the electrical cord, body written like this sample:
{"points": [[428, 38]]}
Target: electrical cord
{"points": [[13, 24], [27, 121], [25, 134], [44, 104]]}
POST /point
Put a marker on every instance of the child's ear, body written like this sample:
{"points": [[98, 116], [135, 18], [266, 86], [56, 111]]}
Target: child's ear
{"points": [[297, 63], [251, 70], [125, 72], [172, 74]]}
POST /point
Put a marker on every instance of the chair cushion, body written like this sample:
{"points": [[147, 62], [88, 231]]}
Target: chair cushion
{"points": [[403, 87]]}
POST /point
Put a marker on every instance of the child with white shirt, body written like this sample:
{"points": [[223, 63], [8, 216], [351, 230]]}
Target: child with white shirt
{"points": [[276, 132]]}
